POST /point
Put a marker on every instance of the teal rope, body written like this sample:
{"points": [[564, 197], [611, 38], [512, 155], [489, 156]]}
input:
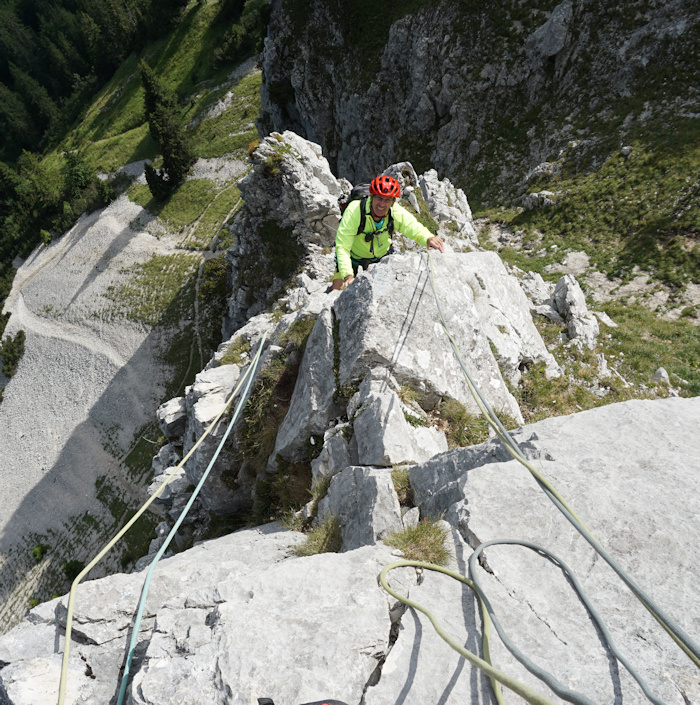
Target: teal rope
{"points": [[561, 690], [173, 531]]}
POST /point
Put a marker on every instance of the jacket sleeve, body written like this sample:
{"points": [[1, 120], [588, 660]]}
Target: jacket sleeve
{"points": [[407, 224], [344, 237]]}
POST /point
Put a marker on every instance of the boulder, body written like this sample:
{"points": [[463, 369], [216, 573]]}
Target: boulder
{"points": [[388, 317], [383, 429], [570, 301], [540, 199], [172, 417], [661, 376], [536, 288], [334, 455], [312, 404], [364, 502]]}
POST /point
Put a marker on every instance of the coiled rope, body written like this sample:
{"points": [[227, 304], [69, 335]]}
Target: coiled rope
{"points": [[246, 378], [683, 640]]}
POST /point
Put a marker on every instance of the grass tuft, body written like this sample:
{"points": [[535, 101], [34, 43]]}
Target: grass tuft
{"points": [[424, 542], [324, 538], [402, 484]]}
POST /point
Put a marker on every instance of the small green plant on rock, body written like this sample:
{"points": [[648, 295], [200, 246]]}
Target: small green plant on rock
{"points": [[402, 484], [237, 353], [461, 427], [324, 538], [39, 551], [427, 542]]}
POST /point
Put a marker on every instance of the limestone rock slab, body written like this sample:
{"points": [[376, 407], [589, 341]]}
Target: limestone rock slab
{"points": [[635, 484], [388, 317], [505, 313], [384, 435], [421, 668]]}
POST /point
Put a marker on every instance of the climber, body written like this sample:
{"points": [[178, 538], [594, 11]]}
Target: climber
{"points": [[360, 240]]}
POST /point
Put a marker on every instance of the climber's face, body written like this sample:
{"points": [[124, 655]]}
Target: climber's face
{"points": [[380, 206]]}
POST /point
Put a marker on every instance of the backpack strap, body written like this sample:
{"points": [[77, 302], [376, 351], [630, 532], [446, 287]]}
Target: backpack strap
{"points": [[363, 216]]}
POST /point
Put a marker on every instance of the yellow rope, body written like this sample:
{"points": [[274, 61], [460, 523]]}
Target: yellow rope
{"points": [[127, 526]]}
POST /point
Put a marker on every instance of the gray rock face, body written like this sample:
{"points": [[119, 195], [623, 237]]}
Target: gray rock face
{"points": [[504, 311], [364, 501], [636, 488], [448, 204], [202, 607], [389, 317], [172, 417], [291, 213], [421, 668], [444, 78], [383, 431], [550, 38], [334, 456], [537, 290], [570, 302], [312, 404], [206, 398]]}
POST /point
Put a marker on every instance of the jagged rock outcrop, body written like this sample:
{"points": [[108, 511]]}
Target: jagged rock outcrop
{"points": [[291, 214], [449, 81], [567, 304], [291, 210]]}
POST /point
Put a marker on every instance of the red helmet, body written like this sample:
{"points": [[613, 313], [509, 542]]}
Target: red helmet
{"points": [[385, 186]]}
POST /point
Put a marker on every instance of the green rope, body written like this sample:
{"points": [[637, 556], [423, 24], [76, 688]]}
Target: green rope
{"points": [[484, 664]]}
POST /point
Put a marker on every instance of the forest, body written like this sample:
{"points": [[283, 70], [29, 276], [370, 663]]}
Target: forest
{"points": [[54, 56]]}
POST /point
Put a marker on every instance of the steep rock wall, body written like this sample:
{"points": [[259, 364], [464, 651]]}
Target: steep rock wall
{"points": [[482, 92]]}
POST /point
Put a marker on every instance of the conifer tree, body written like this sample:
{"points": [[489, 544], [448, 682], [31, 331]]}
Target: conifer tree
{"points": [[162, 112]]}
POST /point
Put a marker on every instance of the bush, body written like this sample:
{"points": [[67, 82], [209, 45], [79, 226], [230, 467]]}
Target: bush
{"points": [[72, 569], [11, 351], [39, 551]]}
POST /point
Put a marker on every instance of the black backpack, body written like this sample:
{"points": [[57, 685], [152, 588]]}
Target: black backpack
{"points": [[361, 193]]}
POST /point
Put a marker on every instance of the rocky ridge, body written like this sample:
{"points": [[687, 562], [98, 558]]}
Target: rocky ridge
{"points": [[241, 617]]}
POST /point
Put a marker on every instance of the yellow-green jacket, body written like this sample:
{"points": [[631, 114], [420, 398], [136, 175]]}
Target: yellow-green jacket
{"points": [[348, 241]]}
